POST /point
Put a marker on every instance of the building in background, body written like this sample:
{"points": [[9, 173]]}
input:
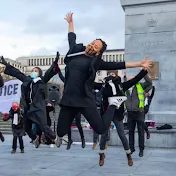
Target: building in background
{"points": [[44, 62]]}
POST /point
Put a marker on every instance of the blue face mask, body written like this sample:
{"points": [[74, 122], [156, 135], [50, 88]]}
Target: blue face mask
{"points": [[34, 75]]}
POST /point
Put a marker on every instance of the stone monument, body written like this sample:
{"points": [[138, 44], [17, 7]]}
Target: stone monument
{"points": [[150, 28]]}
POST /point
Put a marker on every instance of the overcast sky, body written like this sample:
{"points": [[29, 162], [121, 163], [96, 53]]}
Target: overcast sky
{"points": [[37, 27]]}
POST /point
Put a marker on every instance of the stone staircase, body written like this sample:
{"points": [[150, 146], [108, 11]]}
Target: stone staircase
{"points": [[6, 128]]}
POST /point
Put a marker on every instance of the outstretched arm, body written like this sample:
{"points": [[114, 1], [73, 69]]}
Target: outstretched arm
{"points": [[123, 65], [12, 71], [126, 85]]}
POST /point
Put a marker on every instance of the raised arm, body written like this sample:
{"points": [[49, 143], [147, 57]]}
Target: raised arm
{"points": [[12, 71], [52, 70], [153, 92], [61, 76], [147, 83], [126, 85], [71, 34]]}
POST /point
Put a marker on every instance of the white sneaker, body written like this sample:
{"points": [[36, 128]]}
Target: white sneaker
{"points": [[58, 141], [36, 142], [117, 101]]}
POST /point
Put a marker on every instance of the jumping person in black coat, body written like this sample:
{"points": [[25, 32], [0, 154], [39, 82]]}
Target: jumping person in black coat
{"points": [[1, 85], [15, 114], [77, 120], [33, 99], [80, 74]]}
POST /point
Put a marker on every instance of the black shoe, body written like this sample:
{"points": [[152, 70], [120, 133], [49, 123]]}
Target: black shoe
{"points": [[13, 151], [141, 153], [132, 151], [83, 143], [2, 138], [22, 151], [69, 144]]}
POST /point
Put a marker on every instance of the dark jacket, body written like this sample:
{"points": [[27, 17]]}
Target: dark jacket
{"points": [[48, 110], [146, 108], [96, 64], [37, 109], [119, 114], [132, 102], [20, 119], [1, 81]]}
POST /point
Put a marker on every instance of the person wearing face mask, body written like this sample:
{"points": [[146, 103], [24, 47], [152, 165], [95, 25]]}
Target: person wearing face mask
{"points": [[1, 85], [80, 72], [116, 87], [33, 99], [17, 126]]}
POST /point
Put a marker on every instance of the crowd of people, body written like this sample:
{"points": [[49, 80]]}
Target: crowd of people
{"points": [[100, 103]]}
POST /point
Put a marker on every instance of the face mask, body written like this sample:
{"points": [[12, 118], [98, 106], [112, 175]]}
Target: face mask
{"points": [[34, 75], [15, 108]]}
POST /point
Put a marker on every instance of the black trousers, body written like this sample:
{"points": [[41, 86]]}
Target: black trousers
{"points": [[42, 128], [136, 117], [14, 144], [99, 124], [1, 136], [78, 124], [120, 131]]}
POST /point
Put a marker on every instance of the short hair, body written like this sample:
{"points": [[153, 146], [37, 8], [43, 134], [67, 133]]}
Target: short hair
{"points": [[103, 49]]}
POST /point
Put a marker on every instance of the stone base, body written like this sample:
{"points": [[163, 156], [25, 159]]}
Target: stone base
{"points": [[160, 139], [163, 117]]}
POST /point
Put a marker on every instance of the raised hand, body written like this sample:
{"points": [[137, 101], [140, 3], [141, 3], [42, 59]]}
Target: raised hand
{"points": [[69, 17], [146, 63]]}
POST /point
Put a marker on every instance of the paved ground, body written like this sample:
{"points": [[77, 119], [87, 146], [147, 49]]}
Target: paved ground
{"points": [[83, 162]]}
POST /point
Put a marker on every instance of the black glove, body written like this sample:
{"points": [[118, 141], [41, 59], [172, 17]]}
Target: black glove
{"points": [[57, 58], [107, 79], [2, 60]]}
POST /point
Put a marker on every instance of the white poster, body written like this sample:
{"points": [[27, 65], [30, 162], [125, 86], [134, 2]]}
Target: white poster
{"points": [[9, 93]]}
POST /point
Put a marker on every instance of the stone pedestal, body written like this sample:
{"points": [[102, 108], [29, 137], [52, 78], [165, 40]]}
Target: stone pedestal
{"points": [[150, 28]]}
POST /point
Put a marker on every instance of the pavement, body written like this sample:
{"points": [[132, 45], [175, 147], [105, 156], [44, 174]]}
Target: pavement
{"points": [[46, 161]]}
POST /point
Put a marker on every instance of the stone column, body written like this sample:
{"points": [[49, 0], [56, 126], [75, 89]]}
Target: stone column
{"points": [[150, 28]]}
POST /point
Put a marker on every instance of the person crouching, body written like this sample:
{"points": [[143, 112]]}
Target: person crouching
{"points": [[17, 126]]}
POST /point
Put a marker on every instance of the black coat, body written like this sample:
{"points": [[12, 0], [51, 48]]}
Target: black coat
{"points": [[20, 119], [1, 81], [146, 108], [119, 114], [96, 63], [36, 111]]}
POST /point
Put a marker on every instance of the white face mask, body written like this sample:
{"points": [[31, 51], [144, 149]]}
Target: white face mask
{"points": [[34, 75]]}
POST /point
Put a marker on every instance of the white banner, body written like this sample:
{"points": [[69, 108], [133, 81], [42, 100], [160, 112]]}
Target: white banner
{"points": [[10, 92]]}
